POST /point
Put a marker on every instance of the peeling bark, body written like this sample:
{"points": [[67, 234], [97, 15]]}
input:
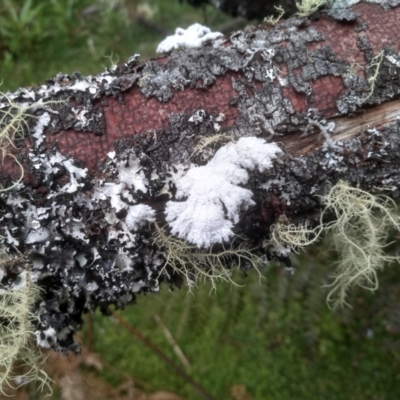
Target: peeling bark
{"points": [[103, 156]]}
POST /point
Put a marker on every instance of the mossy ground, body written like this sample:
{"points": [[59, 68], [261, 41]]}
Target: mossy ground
{"points": [[278, 339]]}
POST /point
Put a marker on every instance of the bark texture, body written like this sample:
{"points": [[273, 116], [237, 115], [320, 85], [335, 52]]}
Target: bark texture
{"points": [[104, 156]]}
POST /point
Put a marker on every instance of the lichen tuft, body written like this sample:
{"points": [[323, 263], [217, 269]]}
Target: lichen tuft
{"points": [[359, 232], [17, 342], [196, 265]]}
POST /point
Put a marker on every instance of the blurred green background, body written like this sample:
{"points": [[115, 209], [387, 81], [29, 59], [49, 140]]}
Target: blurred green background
{"points": [[39, 38], [274, 339]]}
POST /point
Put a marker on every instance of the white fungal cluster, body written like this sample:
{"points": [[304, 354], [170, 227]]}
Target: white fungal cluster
{"points": [[212, 195], [194, 36]]}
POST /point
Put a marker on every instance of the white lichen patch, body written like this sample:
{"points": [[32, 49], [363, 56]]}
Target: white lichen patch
{"points": [[212, 197], [37, 132], [89, 84], [131, 174], [394, 60], [45, 338], [194, 36], [35, 233], [53, 163], [75, 172], [280, 183], [9, 238], [138, 215], [111, 191], [130, 178]]}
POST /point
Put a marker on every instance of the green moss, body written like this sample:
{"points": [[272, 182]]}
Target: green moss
{"points": [[277, 338]]}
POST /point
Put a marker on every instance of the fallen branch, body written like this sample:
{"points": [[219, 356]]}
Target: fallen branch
{"points": [[107, 159]]}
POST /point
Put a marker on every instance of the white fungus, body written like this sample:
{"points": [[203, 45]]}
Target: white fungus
{"points": [[194, 36], [213, 197]]}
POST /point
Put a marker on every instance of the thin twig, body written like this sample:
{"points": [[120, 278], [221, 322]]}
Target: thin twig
{"points": [[200, 390], [178, 351], [89, 334]]}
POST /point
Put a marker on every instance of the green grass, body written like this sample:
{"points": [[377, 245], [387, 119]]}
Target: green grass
{"points": [[39, 39], [278, 339]]}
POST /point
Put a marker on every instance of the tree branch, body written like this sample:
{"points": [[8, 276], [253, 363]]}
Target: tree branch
{"points": [[119, 195]]}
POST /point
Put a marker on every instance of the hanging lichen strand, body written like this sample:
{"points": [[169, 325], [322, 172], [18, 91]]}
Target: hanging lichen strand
{"points": [[177, 169], [17, 342], [359, 228]]}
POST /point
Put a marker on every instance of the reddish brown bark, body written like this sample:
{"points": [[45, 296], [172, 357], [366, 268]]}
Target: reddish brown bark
{"points": [[138, 114]]}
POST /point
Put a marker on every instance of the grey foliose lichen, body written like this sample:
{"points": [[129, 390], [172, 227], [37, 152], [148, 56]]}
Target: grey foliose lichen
{"points": [[90, 236], [247, 52], [90, 239], [82, 250]]}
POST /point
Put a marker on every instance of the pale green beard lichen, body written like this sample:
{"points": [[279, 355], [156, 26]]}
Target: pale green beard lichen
{"points": [[359, 232], [17, 340], [307, 7], [373, 72], [14, 124], [211, 141], [13, 121], [271, 20], [195, 264]]}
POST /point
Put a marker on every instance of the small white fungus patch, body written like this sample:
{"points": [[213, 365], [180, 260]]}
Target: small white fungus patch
{"points": [[213, 197], [194, 36]]}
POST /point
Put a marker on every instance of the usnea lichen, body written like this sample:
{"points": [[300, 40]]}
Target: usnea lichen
{"points": [[373, 71], [271, 20], [13, 122], [17, 342], [210, 142], [196, 265], [307, 7], [359, 231]]}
